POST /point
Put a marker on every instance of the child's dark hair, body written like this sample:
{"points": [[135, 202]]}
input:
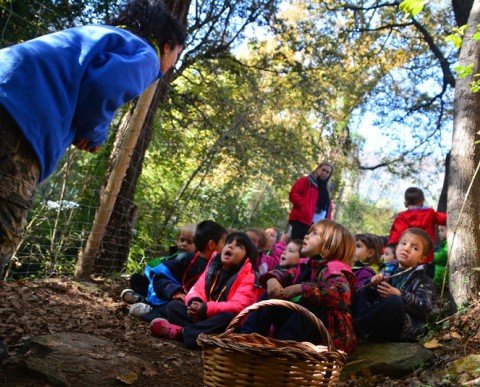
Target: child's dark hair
{"points": [[244, 240], [414, 196], [151, 20], [261, 236], [427, 241], [299, 244], [373, 242], [206, 231]]}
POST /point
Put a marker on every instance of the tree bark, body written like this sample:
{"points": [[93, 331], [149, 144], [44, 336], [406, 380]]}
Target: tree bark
{"points": [[463, 226], [116, 243], [442, 202], [461, 10]]}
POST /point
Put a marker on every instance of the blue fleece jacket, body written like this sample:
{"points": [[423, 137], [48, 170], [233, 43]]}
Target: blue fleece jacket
{"points": [[67, 85]]}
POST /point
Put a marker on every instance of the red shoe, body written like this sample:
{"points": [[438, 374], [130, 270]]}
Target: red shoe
{"points": [[162, 328]]}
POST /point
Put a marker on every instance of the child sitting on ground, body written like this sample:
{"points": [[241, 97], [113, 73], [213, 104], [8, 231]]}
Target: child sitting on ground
{"points": [[264, 262], [417, 215], [224, 289], [286, 271], [173, 278], [139, 282], [367, 257], [396, 308], [272, 236], [325, 285], [440, 257], [389, 261]]}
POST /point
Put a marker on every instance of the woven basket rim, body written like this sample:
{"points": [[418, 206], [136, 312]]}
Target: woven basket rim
{"points": [[256, 343], [269, 346]]}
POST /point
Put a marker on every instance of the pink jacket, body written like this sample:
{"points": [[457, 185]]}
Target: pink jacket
{"points": [[303, 196], [241, 293]]}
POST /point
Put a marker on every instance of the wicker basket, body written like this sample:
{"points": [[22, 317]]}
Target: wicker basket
{"points": [[236, 359]]}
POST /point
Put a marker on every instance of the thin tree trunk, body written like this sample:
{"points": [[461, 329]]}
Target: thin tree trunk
{"points": [[463, 228]]}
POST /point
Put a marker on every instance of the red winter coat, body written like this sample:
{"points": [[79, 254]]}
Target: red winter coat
{"points": [[303, 196], [424, 218], [241, 293]]}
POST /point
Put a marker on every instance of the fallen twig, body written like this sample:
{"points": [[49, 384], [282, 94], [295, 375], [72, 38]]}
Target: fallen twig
{"points": [[459, 312], [387, 278]]}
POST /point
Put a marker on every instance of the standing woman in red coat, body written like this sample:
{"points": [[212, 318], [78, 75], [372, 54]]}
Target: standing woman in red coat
{"points": [[311, 197]]}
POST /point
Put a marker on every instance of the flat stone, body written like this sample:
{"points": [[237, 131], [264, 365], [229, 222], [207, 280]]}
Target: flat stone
{"points": [[465, 369], [394, 360], [77, 359]]}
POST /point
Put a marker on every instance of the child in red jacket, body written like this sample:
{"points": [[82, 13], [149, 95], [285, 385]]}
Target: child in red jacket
{"points": [[417, 216], [224, 289]]}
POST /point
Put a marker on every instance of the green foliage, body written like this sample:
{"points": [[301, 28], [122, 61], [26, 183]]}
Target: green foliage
{"points": [[464, 71], [456, 37], [361, 215], [26, 19], [412, 7]]}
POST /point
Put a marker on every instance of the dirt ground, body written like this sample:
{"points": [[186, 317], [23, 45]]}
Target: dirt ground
{"points": [[29, 308], [32, 308]]}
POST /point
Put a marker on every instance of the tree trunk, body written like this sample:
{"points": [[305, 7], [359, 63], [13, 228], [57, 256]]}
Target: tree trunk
{"points": [[442, 202], [463, 226], [116, 242]]}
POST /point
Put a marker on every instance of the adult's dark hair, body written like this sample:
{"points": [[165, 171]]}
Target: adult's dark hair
{"points": [[151, 20], [414, 196], [206, 231], [244, 240]]}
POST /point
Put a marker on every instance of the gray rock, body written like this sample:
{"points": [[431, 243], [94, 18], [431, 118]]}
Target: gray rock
{"points": [[394, 360], [77, 359]]}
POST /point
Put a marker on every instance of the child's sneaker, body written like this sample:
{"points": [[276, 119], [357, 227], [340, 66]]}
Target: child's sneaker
{"points": [[139, 309], [162, 328], [131, 297]]}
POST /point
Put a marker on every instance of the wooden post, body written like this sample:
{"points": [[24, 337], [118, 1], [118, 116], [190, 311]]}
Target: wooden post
{"points": [[86, 259]]}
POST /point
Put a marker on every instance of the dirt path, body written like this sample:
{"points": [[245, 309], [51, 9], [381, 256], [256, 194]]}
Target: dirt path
{"points": [[32, 308]]}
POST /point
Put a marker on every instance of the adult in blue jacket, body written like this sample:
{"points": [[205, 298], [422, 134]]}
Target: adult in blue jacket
{"points": [[63, 88]]}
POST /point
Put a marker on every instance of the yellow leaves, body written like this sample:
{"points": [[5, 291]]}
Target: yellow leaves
{"points": [[293, 13], [129, 378], [432, 344], [455, 335]]}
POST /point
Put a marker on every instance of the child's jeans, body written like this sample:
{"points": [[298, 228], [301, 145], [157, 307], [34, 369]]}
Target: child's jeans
{"points": [[288, 324], [177, 314], [382, 321]]}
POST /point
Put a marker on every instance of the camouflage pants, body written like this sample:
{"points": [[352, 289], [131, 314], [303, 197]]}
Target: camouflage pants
{"points": [[19, 173]]}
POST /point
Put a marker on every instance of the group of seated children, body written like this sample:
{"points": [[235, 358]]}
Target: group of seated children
{"points": [[346, 281]]}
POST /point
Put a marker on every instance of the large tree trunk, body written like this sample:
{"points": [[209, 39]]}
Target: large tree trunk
{"points": [[464, 241], [442, 202], [116, 242]]}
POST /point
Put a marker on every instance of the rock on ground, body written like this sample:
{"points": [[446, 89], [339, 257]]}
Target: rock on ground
{"points": [[394, 360]]}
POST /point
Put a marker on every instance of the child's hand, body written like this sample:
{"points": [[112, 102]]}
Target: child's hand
{"points": [[377, 278], [274, 289], [180, 296], [291, 291], [194, 310], [285, 237], [385, 290]]}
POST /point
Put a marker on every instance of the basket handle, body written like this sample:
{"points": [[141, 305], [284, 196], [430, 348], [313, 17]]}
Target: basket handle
{"points": [[290, 305]]}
